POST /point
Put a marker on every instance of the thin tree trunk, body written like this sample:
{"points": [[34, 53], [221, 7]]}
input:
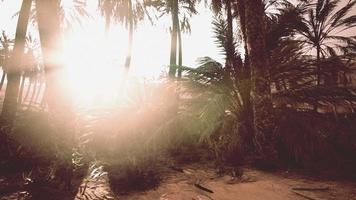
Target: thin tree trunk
{"points": [[22, 88], [39, 91], [107, 24], [230, 39], [28, 89], [180, 52], [129, 49], [43, 101], [318, 71], [2, 79], [174, 34], [318, 74], [263, 116], [35, 85], [13, 75]]}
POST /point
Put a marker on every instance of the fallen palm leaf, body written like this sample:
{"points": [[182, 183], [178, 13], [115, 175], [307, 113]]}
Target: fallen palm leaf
{"points": [[203, 188]]}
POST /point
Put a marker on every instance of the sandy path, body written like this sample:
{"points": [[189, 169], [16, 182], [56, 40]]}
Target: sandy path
{"points": [[263, 186]]}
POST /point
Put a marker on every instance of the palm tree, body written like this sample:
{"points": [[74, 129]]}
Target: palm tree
{"points": [[263, 117], [238, 69], [176, 9], [59, 104], [13, 75], [73, 13], [322, 28], [127, 12], [49, 31], [106, 8], [288, 65]]}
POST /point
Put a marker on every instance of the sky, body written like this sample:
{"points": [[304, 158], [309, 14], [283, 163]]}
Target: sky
{"points": [[151, 43]]}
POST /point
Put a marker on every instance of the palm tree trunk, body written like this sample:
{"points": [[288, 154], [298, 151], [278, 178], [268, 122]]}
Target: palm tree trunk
{"points": [[318, 71], [263, 117], [49, 31], [107, 24], [28, 89], [44, 97], [34, 91], [245, 74], [39, 92], [174, 34], [58, 102], [2, 79], [230, 39], [13, 75], [22, 89], [129, 49], [180, 52]]}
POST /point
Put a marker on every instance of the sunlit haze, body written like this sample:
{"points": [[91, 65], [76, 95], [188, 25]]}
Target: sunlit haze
{"points": [[150, 47], [94, 60]]}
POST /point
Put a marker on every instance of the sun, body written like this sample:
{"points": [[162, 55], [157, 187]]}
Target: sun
{"points": [[94, 59], [93, 70]]}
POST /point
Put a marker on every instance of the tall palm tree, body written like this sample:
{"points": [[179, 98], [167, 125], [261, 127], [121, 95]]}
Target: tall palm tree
{"points": [[13, 74], [238, 70], [323, 27], [59, 104], [127, 12], [49, 31], [176, 9], [263, 117]]}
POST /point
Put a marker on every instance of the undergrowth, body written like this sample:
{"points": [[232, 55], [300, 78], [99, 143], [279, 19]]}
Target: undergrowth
{"points": [[318, 142]]}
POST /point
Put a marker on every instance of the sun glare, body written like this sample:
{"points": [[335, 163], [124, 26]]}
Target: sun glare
{"points": [[94, 60], [94, 72]]}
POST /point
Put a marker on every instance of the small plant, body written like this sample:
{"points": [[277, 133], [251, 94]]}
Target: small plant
{"points": [[134, 174]]}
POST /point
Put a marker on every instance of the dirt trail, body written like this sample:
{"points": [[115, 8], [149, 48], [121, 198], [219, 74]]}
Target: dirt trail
{"points": [[258, 186]]}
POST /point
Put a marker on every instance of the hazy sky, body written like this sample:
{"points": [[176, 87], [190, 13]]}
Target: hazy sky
{"points": [[151, 43]]}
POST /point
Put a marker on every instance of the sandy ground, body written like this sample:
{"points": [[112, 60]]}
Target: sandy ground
{"points": [[254, 185]]}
